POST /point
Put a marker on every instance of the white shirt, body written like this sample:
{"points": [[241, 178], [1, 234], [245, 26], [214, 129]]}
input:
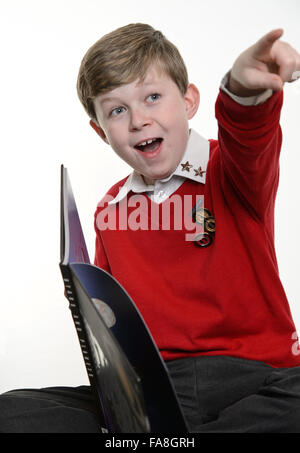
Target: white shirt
{"points": [[193, 164]]}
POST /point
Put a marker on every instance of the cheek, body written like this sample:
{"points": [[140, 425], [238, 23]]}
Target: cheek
{"points": [[177, 114], [115, 136], [118, 141], [179, 121]]}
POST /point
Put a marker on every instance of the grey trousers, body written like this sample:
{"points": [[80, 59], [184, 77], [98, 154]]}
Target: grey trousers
{"points": [[217, 394], [231, 395], [48, 410]]}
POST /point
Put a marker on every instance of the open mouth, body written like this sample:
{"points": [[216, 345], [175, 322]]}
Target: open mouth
{"points": [[149, 145]]}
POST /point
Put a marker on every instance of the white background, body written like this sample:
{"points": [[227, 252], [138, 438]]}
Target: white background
{"points": [[43, 125]]}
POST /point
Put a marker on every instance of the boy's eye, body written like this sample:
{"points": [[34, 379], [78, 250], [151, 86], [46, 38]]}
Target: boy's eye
{"points": [[154, 97], [116, 111]]}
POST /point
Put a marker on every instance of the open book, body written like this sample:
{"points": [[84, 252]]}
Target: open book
{"points": [[129, 379]]}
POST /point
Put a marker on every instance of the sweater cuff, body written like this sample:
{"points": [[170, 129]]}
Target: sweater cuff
{"points": [[248, 116], [249, 101]]}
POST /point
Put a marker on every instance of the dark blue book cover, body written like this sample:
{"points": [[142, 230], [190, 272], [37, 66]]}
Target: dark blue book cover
{"points": [[130, 381]]}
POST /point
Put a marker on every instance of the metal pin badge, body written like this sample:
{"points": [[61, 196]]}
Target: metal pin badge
{"points": [[203, 240], [204, 217]]}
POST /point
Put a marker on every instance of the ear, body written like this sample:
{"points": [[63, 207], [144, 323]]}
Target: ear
{"points": [[99, 131], [192, 100]]}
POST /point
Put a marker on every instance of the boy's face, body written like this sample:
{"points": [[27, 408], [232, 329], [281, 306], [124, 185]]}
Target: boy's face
{"points": [[150, 110]]}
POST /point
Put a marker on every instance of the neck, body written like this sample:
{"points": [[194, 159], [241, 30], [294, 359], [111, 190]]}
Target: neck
{"points": [[148, 181]]}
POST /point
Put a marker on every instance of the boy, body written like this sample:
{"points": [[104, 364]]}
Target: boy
{"points": [[215, 306], [211, 296]]}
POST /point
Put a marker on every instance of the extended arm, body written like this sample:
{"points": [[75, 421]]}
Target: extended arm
{"points": [[250, 136]]}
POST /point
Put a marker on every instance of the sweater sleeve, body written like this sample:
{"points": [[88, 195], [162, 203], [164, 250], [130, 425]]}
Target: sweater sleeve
{"points": [[100, 255], [250, 140]]}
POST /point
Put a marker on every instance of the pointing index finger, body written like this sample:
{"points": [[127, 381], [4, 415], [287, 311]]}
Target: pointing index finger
{"points": [[265, 43]]}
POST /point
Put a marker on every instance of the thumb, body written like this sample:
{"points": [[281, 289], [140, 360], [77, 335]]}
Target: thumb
{"points": [[265, 43]]}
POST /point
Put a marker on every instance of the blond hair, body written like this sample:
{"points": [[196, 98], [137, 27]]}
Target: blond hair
{"points": [[124, 55]]}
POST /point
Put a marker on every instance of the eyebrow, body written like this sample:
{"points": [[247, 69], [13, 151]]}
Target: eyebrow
{"points": [[109, 99], [116, 99]]}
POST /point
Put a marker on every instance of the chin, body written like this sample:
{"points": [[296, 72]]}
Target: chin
{"points": [[156, 175], [162, 175]]}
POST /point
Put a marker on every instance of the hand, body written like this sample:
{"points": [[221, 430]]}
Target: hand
{"points": [[268, 64]]}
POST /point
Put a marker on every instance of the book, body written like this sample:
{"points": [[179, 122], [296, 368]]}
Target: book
{"points": [[131, 385]]}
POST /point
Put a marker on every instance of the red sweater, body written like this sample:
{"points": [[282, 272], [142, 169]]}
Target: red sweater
{"points": [[225, 299]]}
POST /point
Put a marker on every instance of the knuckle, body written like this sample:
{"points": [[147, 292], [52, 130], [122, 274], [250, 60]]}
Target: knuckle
{"points": [[290, 61]]}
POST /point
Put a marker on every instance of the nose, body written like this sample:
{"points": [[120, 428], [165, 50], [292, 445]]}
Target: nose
{"points": [[139, 119]]}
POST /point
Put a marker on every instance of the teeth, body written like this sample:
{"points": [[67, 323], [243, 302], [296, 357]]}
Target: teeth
{"points": [[147, 142]]}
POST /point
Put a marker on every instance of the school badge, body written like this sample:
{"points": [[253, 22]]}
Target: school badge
{"points": [[203, 216]]}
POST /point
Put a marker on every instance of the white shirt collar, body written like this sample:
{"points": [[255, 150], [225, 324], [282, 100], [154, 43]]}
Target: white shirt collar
{"points": [[192, 166]]}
